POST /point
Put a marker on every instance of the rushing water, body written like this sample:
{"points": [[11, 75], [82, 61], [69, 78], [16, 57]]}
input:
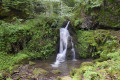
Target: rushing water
{"points": [[64, 37]]}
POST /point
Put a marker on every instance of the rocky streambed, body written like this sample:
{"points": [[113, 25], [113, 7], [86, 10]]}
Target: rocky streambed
{"points": [[42, 70]]}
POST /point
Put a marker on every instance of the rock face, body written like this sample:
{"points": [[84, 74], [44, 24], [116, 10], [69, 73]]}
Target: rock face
{"points": [[88, 23], [97, 14], [66, 78], [75, 42]]}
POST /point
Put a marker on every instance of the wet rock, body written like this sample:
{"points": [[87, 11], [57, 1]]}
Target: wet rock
{"points": [[66, 78], [9, 79], [56, 71], [38, 71], [88, 23], [31, 63], [16, 71]]}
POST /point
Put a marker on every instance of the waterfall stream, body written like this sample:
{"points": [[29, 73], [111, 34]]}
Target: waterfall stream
{"points": [[64, 37]]}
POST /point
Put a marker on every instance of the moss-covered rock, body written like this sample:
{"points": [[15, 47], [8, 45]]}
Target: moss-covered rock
{"points": [[103, 13], [31, 63], [105, 70], [9, 79], [87, 64], [66, 78], [96, 43], [56, 71], [38, 71]]}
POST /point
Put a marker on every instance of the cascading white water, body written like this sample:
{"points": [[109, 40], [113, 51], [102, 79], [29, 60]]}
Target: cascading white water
{"points": [[73, 50], [64, 37]]}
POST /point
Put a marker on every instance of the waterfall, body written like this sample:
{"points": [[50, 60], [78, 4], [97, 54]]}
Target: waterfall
{"points": [[64, 37], [73, 50]]}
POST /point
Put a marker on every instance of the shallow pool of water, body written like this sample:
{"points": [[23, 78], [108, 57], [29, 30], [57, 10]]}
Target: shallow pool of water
{"points": [[64, 67], [25, 71]]}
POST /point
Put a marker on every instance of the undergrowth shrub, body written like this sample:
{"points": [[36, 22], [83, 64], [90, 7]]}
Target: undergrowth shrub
{"points": [[7, 61], [34, 35], [30, 39], [104, 70], [96, 43]]}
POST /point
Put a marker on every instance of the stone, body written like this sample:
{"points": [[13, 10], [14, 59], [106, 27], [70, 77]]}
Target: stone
{"points": [[88, 23], [56, 71], [1, 75], [66, 78], [31, 63], [38, 71]]}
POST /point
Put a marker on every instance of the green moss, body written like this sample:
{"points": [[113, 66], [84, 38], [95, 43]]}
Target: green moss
{"points": [[56, 71], [1, 76], [104, 15], [89, 75], [96, 43], [31, 63], [102, 65], [9, 79], [104, 70], [87, 64], [85, 38], [114, 55], [38, 71], [66, 78]]}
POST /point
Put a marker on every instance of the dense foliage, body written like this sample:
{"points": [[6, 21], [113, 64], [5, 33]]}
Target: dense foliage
{"points": [[96, 43], [102, 12], [105, 70]]}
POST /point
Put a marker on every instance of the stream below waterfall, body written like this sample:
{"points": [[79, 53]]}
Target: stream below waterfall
{"points": [[26, 71]]}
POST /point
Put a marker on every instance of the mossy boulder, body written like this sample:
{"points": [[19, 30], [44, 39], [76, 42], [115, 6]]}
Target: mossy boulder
{"points": [[31, 63], [9, 79], [56, 71], [87, 64], [103, 70], [38, 71], [64, 78]]}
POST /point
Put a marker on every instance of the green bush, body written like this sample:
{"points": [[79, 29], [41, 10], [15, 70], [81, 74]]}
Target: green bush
{"points": [[104, 70], [32, 39], [7, 61], [96, 43], [35, 35], [19, 8]]}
